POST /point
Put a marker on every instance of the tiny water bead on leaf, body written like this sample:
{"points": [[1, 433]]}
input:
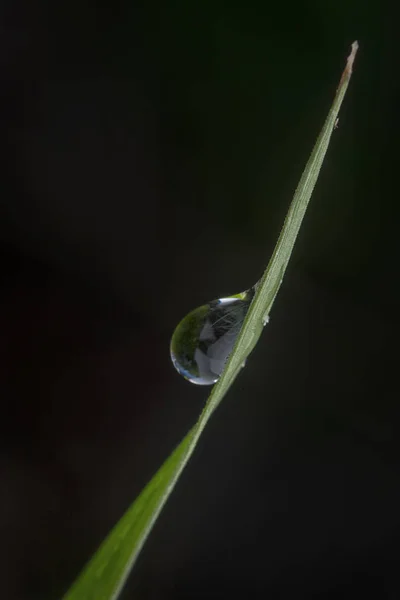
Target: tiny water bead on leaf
{"points": [[204, 339]]}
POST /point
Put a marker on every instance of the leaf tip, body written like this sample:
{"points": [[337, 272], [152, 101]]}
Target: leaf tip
{"points": [[349, 65], [351, 57]]}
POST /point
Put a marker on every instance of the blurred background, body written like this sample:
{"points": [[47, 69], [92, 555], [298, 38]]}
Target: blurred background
{"points": [[149, 153]]}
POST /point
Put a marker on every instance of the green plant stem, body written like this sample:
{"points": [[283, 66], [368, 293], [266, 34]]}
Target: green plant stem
{"points": [[107, 571]]}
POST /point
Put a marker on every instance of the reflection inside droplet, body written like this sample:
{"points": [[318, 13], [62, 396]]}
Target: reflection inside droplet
{"points": [[204, 339]]}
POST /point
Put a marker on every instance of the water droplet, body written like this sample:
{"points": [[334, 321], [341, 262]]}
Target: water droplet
{"points": [[204, 339]]}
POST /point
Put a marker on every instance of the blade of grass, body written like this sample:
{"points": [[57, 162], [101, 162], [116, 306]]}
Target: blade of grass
{"points": [[107, 571]]}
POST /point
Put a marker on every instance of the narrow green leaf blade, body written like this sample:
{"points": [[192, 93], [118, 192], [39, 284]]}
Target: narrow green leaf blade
{"points": [[106, 573]]}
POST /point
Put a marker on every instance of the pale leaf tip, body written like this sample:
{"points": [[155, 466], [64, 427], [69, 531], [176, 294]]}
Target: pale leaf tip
{"points": [[354, 48], [351, 57], [349, 65]]}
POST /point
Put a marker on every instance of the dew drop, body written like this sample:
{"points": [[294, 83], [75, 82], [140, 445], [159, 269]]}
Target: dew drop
{"points": [[204, 339]]}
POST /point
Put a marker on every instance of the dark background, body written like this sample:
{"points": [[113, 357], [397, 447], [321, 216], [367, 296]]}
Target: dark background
{"points": [[148, 156]]}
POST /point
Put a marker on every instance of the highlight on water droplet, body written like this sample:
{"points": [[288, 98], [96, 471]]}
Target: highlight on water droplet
{"points": [[204, 339]]}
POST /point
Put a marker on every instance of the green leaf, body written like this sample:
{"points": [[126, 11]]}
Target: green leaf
{"points": [[107, 571]]}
